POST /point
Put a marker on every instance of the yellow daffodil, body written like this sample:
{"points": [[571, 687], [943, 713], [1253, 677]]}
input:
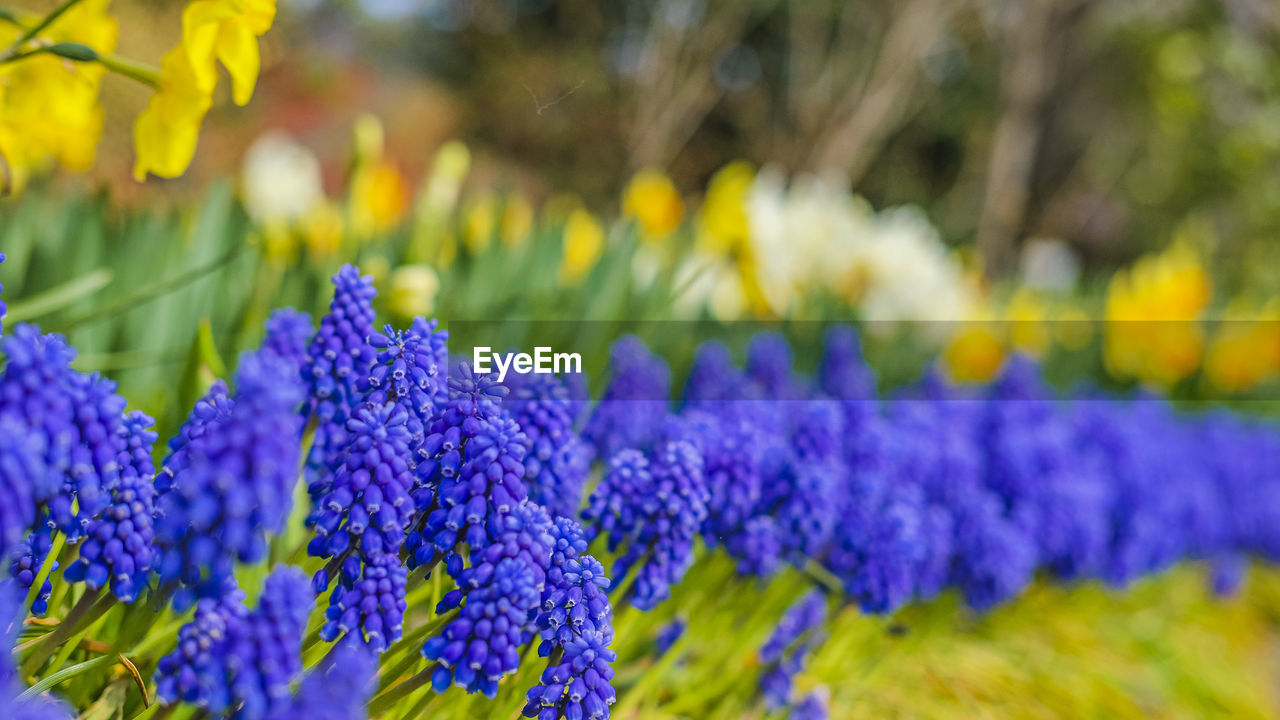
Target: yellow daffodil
{"points": [[1152, 317], [1245, 350], [1026, 316], [651, 199], [166, 132], [379, 199], [49, 110], [322, 230], [517, 220], [724, 222], [583, 245], [975, 352], [228, 31]]}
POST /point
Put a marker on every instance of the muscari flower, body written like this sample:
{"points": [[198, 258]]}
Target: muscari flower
{"points": [[40, 707], [473, 474], [209, 413], [575, 606], [558, 461], [368, 505], [118, 546], [658, 509], [578, 686], [336, 690], [240, 664], [238, 483], [338, 357], [368, 603], [769, 358], [631, 410], [713, 378], [786, 648], [669, 635], [22, 461], [30, 556], [406, 371], [288, 334], [482, 643]]}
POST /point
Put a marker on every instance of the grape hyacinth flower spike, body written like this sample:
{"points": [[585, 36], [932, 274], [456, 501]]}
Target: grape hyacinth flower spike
{"points": [[338, 358], [213, 517]]}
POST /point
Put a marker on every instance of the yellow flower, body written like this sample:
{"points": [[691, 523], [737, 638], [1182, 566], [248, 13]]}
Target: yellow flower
{"points": [[1245, 351], [583, 245], [413, 290], [974, 354], [228, 31], [1152, 317], [49, 110], [517, 220], [166, 132], [1026, 317], [725, 225], [651, 199], [479, 224], [379, 198], [322, 230]]}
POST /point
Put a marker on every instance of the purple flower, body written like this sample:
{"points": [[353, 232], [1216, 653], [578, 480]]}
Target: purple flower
{"points": [[336, 690], [22, 461], [338, 357], [631, 410], [578, 686], [405, 372], [669, 635], [208, 414], [118, 546], [240, 664], [238, 483], [558, 461], [658, 508], [368, 604], [473, 473], [482, 644], [288, 334]]}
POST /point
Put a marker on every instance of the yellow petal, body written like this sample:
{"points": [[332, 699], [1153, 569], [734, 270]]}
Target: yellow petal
{"points": [[201, 22], [237, 49], [166, 132]]}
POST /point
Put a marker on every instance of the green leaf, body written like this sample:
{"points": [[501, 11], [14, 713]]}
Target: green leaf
{"points": [[59, 297]]}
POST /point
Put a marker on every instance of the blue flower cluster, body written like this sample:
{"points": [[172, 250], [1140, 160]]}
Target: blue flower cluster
{"points": [[118, 548], [656, 507], [784, 652], [558, 461], [338, 357], [288, 334], [40, 707], [237, 484], [237, 663], [633, 407], [473, 471]]}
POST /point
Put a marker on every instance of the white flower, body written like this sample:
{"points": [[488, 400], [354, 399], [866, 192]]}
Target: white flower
{"points": [[281, 179]]}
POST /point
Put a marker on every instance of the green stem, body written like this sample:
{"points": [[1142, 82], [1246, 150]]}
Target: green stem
{"points": [[87, 610], [67, 674], [393, 695], [132, 69], [46, 567], [14, 49]]}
